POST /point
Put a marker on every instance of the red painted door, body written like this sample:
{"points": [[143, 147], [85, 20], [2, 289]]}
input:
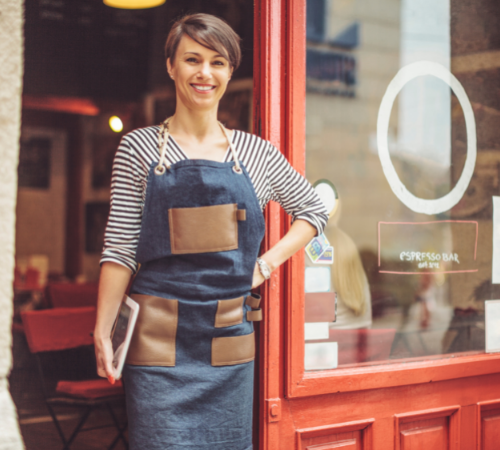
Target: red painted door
{"points": [[396, 103]]}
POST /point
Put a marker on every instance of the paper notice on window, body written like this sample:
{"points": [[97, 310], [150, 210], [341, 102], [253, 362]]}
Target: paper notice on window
{"points": [[321, 356], [495, 263], [316, 247], [316, 331], [326, 257], [492, 323], [318, 279]]}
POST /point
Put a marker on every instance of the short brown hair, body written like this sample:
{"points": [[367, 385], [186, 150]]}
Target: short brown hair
{"points": [[209, 31]]}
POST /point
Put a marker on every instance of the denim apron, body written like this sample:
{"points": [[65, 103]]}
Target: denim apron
{"points": [[190, 368]]}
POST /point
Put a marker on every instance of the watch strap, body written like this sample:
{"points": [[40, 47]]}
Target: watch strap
{"points": [[264, 268]]}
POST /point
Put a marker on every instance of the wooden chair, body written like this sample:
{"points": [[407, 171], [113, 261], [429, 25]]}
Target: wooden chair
{"points": [[57, 330], [72, 295]]}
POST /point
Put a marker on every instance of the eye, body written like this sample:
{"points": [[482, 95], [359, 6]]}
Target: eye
{"points": [[219, 63], [192, 59]]}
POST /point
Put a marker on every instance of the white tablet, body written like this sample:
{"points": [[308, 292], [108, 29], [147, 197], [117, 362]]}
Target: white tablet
{"points": [[122, 333]]}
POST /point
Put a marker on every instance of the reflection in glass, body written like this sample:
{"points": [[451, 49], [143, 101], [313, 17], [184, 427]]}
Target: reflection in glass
{"points": [[354, 306], [409, 285]]}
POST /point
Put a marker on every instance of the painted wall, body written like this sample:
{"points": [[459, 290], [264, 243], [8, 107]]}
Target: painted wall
{"points": [[41, 213], [96, 130], [11, 66]]}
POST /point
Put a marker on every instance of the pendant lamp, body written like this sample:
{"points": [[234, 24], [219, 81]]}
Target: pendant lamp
{"points": [[133, 4]]}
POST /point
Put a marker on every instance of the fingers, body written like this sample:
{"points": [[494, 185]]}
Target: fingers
{"points": [[257, 282], [258, 279], [110, 372], [105, 370], [104, 360], [101, 367]]}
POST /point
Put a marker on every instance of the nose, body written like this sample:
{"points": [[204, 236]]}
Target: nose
{"points": [[205, 72]]}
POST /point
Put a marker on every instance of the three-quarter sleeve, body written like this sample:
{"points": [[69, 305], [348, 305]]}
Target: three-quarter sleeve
{"points": [[293, 192], [128, 185], [272, 176]]}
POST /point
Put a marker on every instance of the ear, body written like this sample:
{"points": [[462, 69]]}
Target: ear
{"points": [[169, 67], [231, 70]]}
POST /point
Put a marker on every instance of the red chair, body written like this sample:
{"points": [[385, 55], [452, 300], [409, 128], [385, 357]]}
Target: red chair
{"points": [[364, 345], [54, 330], [30, 280], [72, 295]]}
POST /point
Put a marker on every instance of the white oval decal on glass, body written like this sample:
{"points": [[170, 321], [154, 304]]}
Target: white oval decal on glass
{"points": [[328, 195], [405, 75]]}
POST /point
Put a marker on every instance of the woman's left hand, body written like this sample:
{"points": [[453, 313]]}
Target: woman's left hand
{"points": [[258, 279]]}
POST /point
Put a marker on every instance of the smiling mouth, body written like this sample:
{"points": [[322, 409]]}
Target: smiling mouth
{"points": [[203, 88]]}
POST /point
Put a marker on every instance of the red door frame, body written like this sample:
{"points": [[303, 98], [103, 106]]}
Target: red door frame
{"points": [[268, 123], [279, 116]]}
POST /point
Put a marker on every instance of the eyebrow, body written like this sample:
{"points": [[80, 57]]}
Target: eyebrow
{"points": [[218, 55]]}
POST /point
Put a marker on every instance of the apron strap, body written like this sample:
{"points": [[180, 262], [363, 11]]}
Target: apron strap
{"points": [[162, 142], [237, 167], [163, 134]]}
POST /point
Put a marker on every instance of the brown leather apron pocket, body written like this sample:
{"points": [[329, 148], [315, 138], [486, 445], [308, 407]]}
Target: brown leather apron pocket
{"points": [[204, 229], [229, 351], [229, 312], [153, 341]]}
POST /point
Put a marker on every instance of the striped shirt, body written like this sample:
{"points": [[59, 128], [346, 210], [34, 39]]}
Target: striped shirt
{"points": [[273, 178]]}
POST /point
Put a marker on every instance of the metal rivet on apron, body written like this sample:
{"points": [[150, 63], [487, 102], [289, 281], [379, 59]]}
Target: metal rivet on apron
{"points": [[159, 170], [237, 170]]}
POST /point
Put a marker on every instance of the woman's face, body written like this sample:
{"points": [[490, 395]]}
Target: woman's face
{"points": [[200, 74]]}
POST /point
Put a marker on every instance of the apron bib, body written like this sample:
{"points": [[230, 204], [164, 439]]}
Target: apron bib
{"points": [[189, 373]]}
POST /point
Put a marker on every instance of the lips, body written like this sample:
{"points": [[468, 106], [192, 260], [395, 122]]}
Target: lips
{"points": [[203, 88]]}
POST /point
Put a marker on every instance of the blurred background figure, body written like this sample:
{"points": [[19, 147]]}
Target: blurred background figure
{"points": [[422, 296], [349, 281], [348, 277]]}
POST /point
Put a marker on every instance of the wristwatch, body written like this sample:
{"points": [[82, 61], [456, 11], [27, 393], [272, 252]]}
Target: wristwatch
{"points": [[264, 268]]}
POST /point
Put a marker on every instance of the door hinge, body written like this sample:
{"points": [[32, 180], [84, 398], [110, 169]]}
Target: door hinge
{"points": [[273, 409]]}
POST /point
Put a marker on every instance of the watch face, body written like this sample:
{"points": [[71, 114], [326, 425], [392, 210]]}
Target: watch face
{"points": [[264, 269]]}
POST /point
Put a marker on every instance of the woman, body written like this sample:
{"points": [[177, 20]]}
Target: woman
{"points": [[189, 210], [354, 306]]}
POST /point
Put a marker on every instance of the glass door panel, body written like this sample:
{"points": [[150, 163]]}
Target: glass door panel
{"points": [[402, 110]]}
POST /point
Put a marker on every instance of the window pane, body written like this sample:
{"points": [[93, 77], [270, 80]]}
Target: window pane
{"points": [[399, 95]]}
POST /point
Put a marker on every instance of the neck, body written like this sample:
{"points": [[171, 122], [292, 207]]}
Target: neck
{"points": [[199, 124]]}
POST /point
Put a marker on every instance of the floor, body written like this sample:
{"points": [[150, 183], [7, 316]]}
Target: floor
{"points": [[39, 433], [37, 428]]}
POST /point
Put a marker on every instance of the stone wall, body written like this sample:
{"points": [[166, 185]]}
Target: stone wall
{"points": [[11, 66]]}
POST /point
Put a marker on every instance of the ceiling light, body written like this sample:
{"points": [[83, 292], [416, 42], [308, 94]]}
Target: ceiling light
{"points": [[133, 4], [116, 124]]}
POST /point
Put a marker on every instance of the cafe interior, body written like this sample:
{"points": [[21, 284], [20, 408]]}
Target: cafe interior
{"points": [[92, 73]]}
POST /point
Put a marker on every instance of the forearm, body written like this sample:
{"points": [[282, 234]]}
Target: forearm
{"points": [[300, 233], [113, 283]]}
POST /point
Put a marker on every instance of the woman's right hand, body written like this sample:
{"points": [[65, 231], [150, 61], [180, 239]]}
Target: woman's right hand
{"points": [[112, 285], [104, 358]]}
